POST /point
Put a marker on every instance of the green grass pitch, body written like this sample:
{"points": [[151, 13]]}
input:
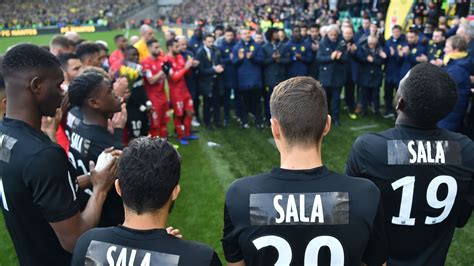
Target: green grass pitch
{"points": [[207, 172]]}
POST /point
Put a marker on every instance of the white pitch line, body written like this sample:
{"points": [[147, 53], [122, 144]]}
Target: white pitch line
{"points": [[364, 127]]}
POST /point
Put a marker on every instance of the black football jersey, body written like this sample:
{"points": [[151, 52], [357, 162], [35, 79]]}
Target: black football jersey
{"points": [[303, 217], [124, 246], [86, 144], [424, 177], [36, 188], [73, 118]]}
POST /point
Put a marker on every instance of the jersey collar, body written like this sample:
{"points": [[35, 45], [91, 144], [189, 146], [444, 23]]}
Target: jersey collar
{"points": [[305, 174]]}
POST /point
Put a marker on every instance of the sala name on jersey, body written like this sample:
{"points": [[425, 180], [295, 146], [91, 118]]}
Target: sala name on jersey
{"points": [[293, 213], [421, 152]]}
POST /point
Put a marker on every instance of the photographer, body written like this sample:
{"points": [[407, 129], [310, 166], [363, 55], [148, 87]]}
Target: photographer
{"points": [[331, 56], [371, 56]]}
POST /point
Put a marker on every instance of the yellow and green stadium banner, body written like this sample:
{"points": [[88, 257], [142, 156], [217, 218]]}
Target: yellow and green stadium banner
{"points": [[397, 14]]}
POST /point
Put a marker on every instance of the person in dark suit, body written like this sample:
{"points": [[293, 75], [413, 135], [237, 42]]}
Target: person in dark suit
{"points": [[275, 64], [332, 55], [229, 75], [393, 49], [352, 71], [371, 57], [248, 59], [210, 81]]}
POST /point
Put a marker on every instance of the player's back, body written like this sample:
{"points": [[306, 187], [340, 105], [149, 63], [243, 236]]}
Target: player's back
{"points": [[87, 143], [124, 246], [424, 177], [34, 193], [301, 217]]}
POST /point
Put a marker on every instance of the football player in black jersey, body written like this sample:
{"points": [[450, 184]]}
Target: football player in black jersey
{"points": [[302, 213], [93, 93], [149, 172], [423, 172], [39, 199]]}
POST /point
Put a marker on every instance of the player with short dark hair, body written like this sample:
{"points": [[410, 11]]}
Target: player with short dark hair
{"points": [[181, 99], [302, 213], [72, 67], [89, 53], [423, 172], [155, 88], [116, 57], [148, 182], [92, 93], [39, 194]]}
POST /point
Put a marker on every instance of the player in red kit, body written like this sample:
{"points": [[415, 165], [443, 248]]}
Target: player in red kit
{"points": [[176, 68], [155, 88]]}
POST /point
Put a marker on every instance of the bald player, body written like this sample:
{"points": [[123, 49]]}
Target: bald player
{"points": [[146, 33]]}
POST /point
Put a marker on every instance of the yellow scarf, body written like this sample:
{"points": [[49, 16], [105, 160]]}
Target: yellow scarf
{"points": [[454, 56]]}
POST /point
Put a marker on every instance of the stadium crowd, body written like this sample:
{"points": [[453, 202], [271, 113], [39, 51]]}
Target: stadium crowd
{"points": [[17, 14], [75, 98]]}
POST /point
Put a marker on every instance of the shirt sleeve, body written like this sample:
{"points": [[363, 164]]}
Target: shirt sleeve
{"points": [[215, 261], [230, 243], [79, 254], [52, 187], [356, 161], [376, 249]]}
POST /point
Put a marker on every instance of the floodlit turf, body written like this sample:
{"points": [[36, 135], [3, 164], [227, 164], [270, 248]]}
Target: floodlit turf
{"points": [[207, 172]]}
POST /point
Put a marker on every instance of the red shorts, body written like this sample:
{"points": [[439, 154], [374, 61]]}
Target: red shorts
{"points": [[182, 104]]}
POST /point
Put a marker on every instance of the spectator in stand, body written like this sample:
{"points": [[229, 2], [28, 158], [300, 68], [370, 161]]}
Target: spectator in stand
{"points": [[116, 57], [60, 44], [332, 55], [371, 57], [364, 31], [457, 64], [248, 58], [282, 35], [258, 38], [420, 9], [147, 33]]}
